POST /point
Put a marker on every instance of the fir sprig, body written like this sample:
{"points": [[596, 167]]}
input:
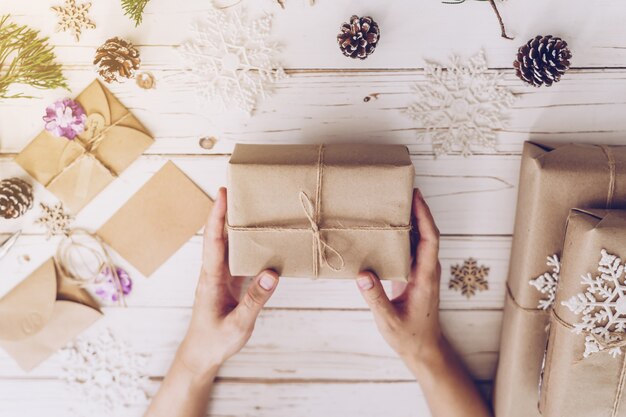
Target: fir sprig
{"points": [[134, 9], [26, 58], [496, 11]]}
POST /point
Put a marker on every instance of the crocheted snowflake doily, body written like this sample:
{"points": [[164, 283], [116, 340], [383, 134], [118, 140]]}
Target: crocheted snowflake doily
{"points": [[231, 59], [106, 373], [547, 282], [603, 306], [461, 105]]}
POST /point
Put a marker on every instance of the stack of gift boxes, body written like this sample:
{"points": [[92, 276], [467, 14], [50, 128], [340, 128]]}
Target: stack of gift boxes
{"points": [[563, 340]]}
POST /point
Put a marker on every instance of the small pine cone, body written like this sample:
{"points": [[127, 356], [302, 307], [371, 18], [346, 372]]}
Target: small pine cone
{"points": [[16, 198], [542, 60], [359, 37], [116, 60]]}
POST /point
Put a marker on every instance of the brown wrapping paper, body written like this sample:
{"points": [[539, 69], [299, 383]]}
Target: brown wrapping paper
{"points": [[78, 170], [42, 314], [155, 222], [553, 179], [574, 386], [357, 196]]}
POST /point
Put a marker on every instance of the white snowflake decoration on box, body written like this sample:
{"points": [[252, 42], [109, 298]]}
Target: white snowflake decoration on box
{"points": [[461, 105], [231, 61], [106, 373], [603, 306], [547, 282]]}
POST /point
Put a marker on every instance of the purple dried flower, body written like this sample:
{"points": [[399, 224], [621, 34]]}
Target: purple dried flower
{"points": [[106, 287], [65, 118]]}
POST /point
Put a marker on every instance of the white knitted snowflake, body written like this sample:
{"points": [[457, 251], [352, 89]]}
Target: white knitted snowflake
{"points": [[547, 282], [105, 373], [602, 305], [231, 60], [461, 105]]}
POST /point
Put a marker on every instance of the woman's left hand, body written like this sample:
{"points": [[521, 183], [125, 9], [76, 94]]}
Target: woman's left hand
{"points": [[221, 322]]}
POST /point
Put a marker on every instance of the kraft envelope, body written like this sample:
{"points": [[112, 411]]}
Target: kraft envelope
{"points": [[42, 314], [164, 214], [78, 170]]}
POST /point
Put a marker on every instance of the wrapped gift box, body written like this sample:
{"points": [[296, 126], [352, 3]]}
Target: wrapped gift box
{"points": [[585, 367], [320, 210], [553, 179], [77, 170]]}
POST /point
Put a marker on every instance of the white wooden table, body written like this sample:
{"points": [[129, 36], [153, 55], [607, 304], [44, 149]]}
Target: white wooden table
{"points": [[315, 351]]}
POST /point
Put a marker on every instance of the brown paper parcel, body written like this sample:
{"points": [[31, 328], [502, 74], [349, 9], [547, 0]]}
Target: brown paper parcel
{"points": [[575, 386], [320, 210], [42, 314], [553, 179], [78, 170], [160, 218]]}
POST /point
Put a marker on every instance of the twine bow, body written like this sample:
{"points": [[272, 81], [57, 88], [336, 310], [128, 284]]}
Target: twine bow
{"points": [[89, 147], [320, 246]]}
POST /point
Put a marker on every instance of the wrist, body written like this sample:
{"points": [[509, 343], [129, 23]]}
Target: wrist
{"points": [[428, 360], [198, 361]]}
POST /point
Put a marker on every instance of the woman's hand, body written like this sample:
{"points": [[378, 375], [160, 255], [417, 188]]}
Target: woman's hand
{"points": [[221, 322], [410, 322]]}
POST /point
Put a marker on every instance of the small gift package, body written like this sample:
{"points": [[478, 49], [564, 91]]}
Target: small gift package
{"points": [[76, 169], [42, 314], [585, 368], [553, 179], [320, 210], [155, 222]]}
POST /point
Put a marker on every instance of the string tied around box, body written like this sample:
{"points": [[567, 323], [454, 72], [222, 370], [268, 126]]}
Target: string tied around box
{"points": [[86, 262], [605, 345], [321, 249]]}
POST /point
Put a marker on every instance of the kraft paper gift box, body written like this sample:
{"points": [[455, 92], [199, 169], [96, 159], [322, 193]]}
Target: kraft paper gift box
{"points": [[42, 314], [320, 210], [584, 373], [155, 222], [78, 170], [553, 179]]}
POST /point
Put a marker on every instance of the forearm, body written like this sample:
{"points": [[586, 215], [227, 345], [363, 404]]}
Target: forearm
{"points": [[448, 388], [184, 392]]}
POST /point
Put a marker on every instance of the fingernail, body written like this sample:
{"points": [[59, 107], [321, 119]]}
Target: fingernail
{"points": [[267, 282], [365, 282]]}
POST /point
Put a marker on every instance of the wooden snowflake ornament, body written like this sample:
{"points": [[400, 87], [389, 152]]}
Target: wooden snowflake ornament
{"points": [[469, 278], [602, 306], [54, 219], [74, 18]]}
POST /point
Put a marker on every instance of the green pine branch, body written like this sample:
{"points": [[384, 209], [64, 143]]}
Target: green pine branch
{"points": [[134, 9], [26, 58]]}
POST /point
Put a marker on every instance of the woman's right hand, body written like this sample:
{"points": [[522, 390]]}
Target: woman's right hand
{"points": [[410, 322]]}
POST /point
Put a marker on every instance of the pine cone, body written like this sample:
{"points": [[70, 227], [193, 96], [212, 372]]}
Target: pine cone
{"points": [[16, 198], [358, 38], [542, 60], [117, 59]]}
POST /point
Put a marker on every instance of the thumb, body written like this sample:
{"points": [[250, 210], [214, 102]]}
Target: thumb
{"points": [[256, 296], [374, 295]]}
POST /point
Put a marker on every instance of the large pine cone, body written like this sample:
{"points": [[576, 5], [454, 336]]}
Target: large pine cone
{"points": [[359, 37], [542, 60], [116, 60], [16, 198]]}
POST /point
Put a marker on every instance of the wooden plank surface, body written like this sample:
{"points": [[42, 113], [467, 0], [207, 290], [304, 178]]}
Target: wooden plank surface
{"points": [[316, 350], [294, 344]]}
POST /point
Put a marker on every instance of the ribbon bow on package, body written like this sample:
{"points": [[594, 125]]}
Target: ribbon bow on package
{"points": [[320, 210], [42, 314], [77, 170]]}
